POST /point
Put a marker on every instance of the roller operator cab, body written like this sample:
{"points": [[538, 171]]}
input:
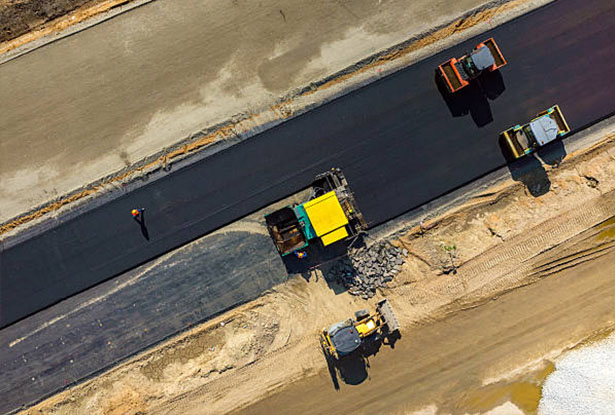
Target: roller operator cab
{"points": [[546, 127], [329, 216], [457, 73]]}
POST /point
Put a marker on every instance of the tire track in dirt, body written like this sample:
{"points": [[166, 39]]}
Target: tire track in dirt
{"points": [[507, 264]]}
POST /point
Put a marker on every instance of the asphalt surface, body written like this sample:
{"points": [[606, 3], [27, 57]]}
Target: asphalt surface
{"points": [[398, 140], [101, 326], [94, 330]]}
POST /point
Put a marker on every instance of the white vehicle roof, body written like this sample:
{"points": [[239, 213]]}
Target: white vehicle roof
{"points": [[482, 58], [545, 129]]}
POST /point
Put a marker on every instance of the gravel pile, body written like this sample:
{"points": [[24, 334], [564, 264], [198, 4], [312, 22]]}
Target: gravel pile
{"points": [[366, 269]]}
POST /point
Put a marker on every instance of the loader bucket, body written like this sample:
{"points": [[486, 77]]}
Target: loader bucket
{"points": [[385, 310]]}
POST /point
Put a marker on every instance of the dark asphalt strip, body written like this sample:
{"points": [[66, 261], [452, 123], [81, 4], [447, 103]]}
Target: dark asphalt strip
{"points": [[115, 319], [395, 139]]}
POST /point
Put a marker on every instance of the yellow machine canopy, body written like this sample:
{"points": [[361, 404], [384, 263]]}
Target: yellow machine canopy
{"points": [[327, 218]]}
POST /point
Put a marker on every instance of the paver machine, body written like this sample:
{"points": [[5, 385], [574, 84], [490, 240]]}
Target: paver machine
{"points": [[329, 216], [457, 73], [547, 126], [343, 338]]}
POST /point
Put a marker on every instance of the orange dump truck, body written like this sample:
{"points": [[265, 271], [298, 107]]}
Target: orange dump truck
{"points": [[457, 73]]}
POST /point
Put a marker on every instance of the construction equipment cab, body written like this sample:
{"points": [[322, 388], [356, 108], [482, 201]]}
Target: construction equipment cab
{"points": [[546, 127], [343, 338], [329, 216], [457, 73]]}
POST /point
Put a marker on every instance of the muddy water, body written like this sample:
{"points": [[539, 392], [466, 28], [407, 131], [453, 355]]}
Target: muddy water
{"points": [[524, 393], [607, 230]]}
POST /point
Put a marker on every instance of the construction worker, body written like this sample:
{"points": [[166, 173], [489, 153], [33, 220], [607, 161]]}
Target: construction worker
{"points": [[301, 254], [136, 213]]}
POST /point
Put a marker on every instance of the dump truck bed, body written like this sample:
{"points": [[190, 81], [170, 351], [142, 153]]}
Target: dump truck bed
{"points": [[285, 230], [495, 52]]}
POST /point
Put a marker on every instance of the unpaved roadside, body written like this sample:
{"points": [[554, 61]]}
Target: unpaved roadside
{"points": [[495, 355], [93, 104], [559, 246]]}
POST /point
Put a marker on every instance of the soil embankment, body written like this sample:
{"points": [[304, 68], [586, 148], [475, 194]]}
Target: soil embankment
{"points": [[36, 18]]}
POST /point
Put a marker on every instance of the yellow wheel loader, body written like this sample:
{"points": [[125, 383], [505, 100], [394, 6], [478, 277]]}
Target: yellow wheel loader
{"points": [[343, 338]]}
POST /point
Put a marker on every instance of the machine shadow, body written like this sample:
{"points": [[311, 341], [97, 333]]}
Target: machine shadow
{"points": [[353, 369], [324, 260], [474, 98], [528, 170], [553, 153]]}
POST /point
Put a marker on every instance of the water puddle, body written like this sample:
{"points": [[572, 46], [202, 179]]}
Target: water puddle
{"points": [[525, 394], [608, 230]]}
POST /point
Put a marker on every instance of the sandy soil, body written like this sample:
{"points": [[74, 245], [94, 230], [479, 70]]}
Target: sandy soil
{"points": [[531, 277], [101, 101], [473, 361]]}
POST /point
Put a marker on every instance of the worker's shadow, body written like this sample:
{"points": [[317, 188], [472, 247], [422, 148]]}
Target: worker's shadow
{"points": [[474, 98], [527, 170], [141, 221]]}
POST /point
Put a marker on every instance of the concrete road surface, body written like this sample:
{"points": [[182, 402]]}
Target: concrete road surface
{"points": [[400, 141]]}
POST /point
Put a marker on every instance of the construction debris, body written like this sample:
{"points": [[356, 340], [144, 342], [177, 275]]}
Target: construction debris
{"points": [[366, 269]]}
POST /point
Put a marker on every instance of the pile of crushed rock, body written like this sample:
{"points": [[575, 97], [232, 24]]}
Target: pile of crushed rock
{"points": [[366, 269]]}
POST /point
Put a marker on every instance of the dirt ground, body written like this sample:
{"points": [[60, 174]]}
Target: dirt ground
{"points": [[100, 102], [474, 361], [18, 17], [530, 278]]}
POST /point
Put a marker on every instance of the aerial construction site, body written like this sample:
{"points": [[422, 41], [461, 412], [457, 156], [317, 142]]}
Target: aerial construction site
{"points": [[236, 207]]}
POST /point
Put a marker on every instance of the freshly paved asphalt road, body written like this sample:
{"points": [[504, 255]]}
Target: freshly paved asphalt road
{"points": [[97, 328], [398, 141]]}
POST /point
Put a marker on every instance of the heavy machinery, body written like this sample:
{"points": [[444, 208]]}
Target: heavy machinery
{"points": [[329, 216], [343, 338], [546, 127], [457, 73]]}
